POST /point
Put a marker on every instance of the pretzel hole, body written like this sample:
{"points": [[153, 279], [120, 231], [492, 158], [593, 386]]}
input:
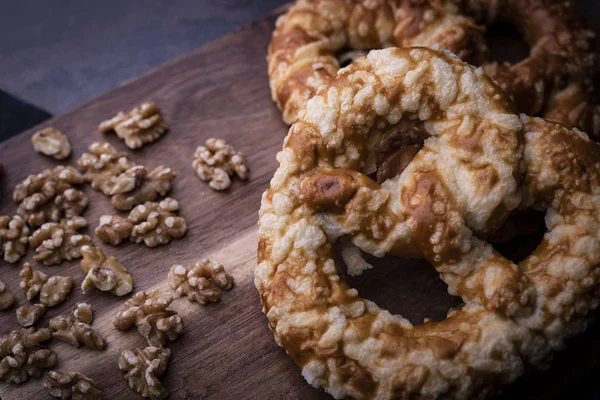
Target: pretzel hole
{"points": [[505, 44], [520, 235], [405, 286]]}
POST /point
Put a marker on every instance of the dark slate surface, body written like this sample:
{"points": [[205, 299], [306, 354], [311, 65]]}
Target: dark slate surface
{"points": [[58, 54]]}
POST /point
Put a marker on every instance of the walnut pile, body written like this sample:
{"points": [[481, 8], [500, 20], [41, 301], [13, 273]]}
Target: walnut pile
{"points": [[195, 281], [102, 165], [148, 312], [51, 142], [143, 368], [29, 314], [50, 196], [31, 281], [104, 273], [83, 312], [7, 298], [55, 290], [69, 329], [14, 235], [140, 126], [58, 241], [71, 385], [137, 186], [113, 229], [217, 161], [22, 356], [155, 223]]}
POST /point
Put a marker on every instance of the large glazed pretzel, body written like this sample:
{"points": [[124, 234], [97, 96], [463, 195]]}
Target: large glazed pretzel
{"points": [[462, 183], [555, 81]]}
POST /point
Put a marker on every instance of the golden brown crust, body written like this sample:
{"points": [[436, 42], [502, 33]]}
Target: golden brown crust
{"points": [[555, 81], [465, 180]]}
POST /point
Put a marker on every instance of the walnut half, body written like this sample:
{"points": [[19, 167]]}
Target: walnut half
{"points": [[155, 223], [83, 312], [140, 126], [148, 312], [137, 186], [50, 196], [71, 385], [143, 368], [22, 356], [55, 290], [74, 332], [195, 281], [104, 273], [102, 165], [14, 235], [113, 229], [51, 142], [7, 298], [217, 161], [28, 315], [58, 241], [31, 281]]}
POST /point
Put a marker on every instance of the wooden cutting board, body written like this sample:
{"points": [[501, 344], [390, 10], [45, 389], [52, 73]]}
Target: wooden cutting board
{"points": [[226, 351]]}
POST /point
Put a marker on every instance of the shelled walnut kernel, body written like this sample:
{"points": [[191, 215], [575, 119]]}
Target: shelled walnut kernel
{"points": [[193, 281], [140, 126], [137, 186], [22, 356], [51, 142], [83, 312], [31, 281], [55, 290], [113, 229], [14, 235], [71, 385], [50, 196], [58, 241], [7, 298], [28, 315], [143, 368], [217, 161], [104, 273], [74, 332], [102, 165], [155, 223], [148, 312]]}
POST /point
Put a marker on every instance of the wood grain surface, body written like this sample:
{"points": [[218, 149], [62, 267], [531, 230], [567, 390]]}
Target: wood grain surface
{"points": [[227, 350]]}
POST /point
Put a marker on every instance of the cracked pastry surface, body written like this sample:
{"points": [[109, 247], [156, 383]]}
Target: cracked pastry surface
{"points": [[514, 316]]}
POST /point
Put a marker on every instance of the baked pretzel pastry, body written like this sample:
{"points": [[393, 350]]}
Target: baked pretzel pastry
{"points": [[555, 81], [461, 184]]}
